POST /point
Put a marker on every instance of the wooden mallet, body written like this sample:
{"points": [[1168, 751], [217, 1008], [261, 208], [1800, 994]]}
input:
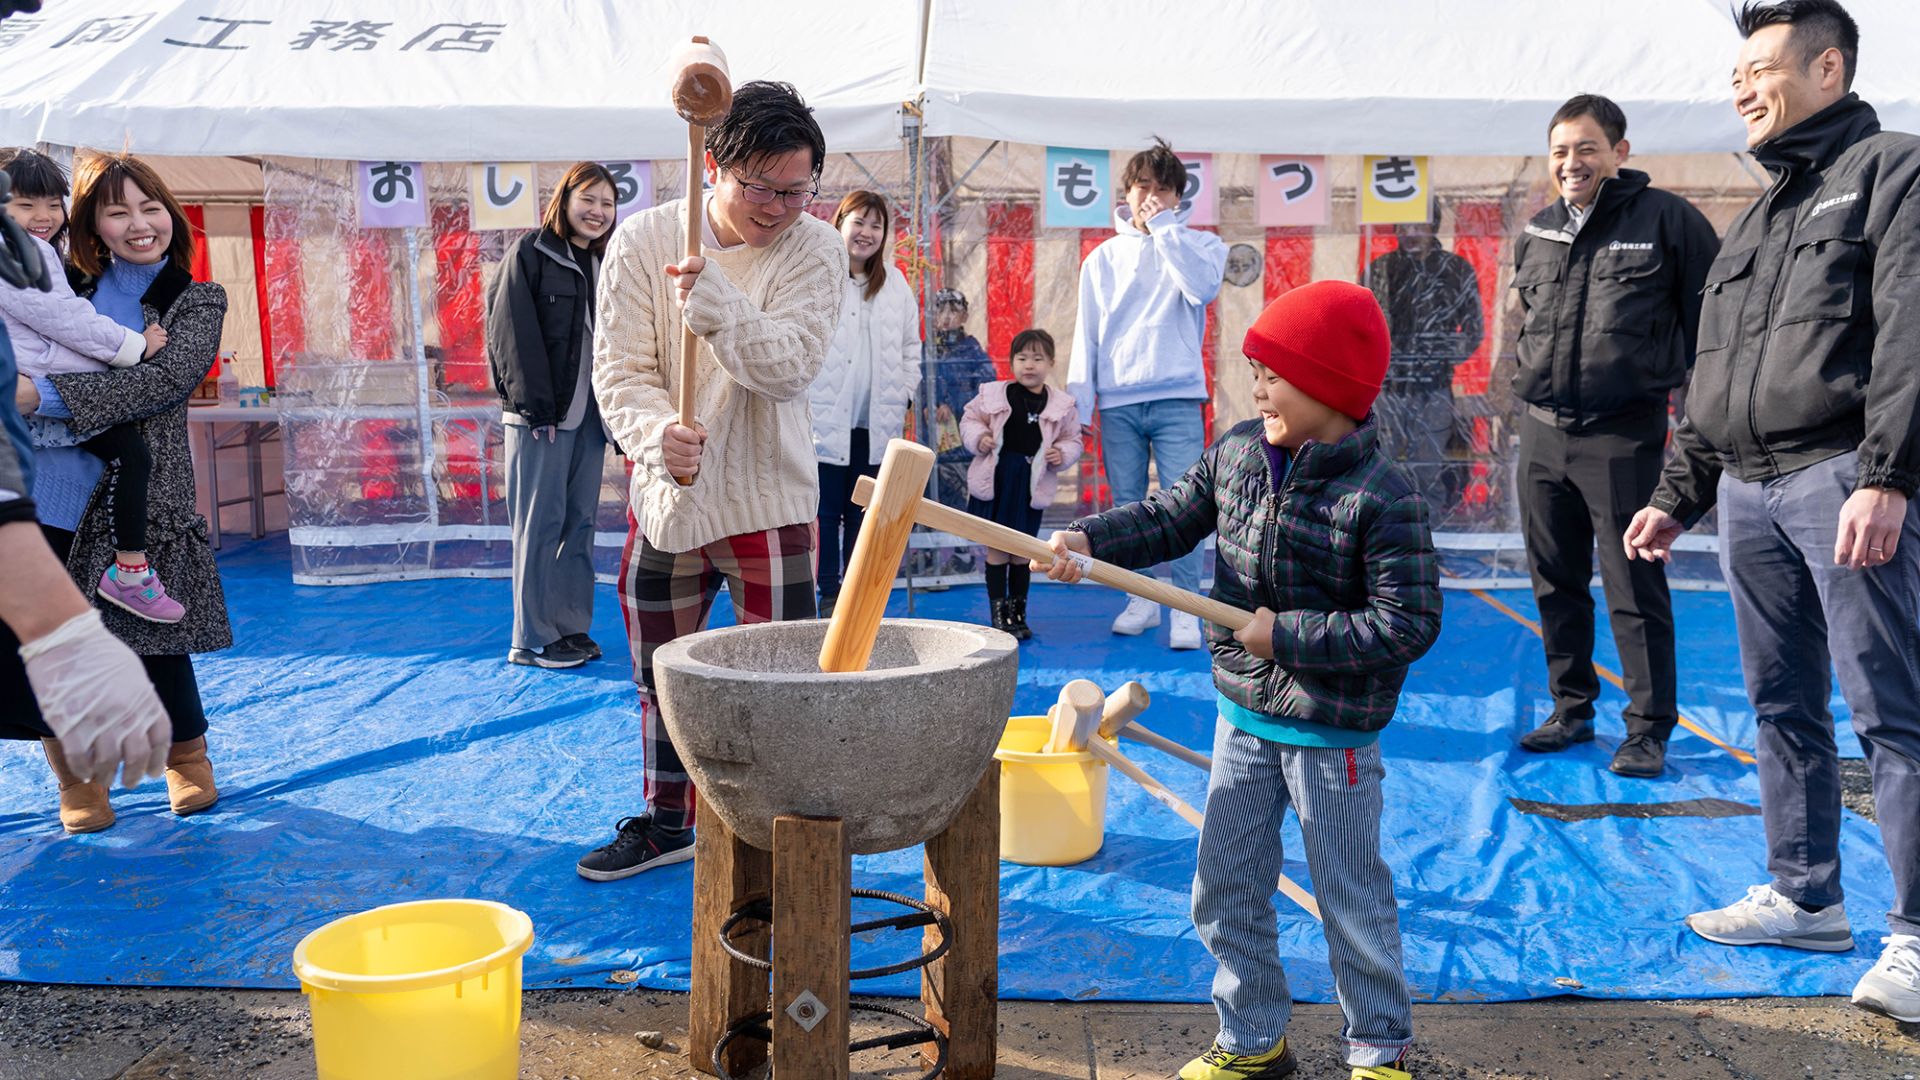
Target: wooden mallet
{"points": [[1118, 721], [702, 94], [1076, 718], [1014, 542], [876, 558]]}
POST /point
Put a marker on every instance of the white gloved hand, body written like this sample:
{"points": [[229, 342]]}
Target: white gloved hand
{"points": [[95, 695]]}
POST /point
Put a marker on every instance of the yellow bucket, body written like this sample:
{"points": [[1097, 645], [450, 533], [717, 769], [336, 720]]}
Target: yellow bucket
{"points": [[428, 990], [1053, 807]]}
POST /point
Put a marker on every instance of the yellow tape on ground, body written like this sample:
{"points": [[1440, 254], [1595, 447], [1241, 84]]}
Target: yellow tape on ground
{"points": [[1498, 605]]}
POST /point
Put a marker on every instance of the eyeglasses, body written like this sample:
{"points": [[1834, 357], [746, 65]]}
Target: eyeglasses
{"points": [[762, 194]]}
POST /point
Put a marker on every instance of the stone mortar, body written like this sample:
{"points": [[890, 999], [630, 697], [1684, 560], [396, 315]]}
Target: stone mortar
{"points": [[892, 751]]}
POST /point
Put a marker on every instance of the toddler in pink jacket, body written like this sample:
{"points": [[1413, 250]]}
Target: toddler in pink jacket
{"points": [[1022, 432], [56, 333]]}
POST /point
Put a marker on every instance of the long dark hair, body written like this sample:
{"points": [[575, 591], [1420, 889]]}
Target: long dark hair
{"points": [[36, 176], [583, 175], [876, 264]]}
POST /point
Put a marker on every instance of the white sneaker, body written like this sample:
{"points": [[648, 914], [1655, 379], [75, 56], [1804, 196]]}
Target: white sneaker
{"points": [[1141, 615], [1892, 986], [1765, 917], [1186, 631]]}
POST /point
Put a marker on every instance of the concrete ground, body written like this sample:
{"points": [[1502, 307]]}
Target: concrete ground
{"points": [[91, 1033]]}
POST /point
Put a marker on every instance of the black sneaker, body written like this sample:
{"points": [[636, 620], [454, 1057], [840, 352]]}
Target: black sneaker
{"points": [[827, 604], [584, 643], [640, 846], [1559, 732], [560, 654], [1644, 756]]}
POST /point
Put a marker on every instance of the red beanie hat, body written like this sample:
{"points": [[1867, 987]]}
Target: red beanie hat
{"points": [[1329, 339]]}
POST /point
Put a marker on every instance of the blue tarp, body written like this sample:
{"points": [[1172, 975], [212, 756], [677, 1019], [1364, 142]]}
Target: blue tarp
{"points": [[373, 746]]}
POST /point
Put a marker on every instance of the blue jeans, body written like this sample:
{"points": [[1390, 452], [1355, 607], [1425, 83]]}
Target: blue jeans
{"points": [[1175, 434], [1801, 619], [1336, 794]]}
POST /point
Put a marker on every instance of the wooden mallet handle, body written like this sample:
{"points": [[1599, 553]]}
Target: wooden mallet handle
{"points": [[1166, 746], [1110, 754], [702, 94], [1014, 542], [876, 558]]}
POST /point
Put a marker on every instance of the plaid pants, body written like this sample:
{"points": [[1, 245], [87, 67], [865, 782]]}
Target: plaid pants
{"points": [[664, 594]]}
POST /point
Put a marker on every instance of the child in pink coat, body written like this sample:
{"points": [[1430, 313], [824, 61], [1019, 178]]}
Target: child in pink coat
{"points": [[1023, 433]]}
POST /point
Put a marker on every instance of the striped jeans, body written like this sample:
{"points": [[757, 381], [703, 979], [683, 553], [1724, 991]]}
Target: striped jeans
{"points": [[1336, 794], [665, 594]]}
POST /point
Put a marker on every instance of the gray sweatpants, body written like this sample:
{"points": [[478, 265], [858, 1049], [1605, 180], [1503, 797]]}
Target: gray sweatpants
{"points": [[1336, 794], [553, 493]]}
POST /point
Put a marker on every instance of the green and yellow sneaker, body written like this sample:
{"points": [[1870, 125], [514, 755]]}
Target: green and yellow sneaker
{"points": [[1220, 1063], [1382, 1072]]}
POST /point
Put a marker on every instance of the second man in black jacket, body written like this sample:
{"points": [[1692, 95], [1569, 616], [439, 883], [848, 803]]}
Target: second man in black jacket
{"points": [[1609, 278]]}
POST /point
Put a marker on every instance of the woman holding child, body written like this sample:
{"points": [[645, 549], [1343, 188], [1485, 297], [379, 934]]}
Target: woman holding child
{"points": [[130, 247]]}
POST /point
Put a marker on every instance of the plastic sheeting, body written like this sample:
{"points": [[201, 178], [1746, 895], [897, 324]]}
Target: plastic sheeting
{"points": [[373, 747], [995, 246]]}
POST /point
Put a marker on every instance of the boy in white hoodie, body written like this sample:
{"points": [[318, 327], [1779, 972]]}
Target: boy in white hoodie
{"points": [[1136, 351]]}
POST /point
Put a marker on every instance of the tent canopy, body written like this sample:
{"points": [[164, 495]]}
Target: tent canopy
{"points": [[502, 80], [429, 80], [1359, 76]]}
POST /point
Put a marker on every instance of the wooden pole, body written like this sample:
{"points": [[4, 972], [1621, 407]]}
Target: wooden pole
{"points": [[812, 910], [961, 990], [726, 871]]}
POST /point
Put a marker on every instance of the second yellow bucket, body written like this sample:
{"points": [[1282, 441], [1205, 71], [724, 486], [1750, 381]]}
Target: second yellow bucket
{"points": [[428, 990], [1053, 807]]}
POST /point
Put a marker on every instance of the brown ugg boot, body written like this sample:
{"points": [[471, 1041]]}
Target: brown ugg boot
{"points": [[190, 777], [83, 804]]}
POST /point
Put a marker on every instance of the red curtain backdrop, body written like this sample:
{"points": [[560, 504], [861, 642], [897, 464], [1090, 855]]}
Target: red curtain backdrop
{"points": [[1009, 301]]}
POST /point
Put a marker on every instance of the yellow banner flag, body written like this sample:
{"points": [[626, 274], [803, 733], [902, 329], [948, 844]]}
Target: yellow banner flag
{"points": [[1394, 190], [504, 196]]}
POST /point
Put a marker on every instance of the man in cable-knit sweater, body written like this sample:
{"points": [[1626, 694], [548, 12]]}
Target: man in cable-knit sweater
{"points": [[763, 297]]}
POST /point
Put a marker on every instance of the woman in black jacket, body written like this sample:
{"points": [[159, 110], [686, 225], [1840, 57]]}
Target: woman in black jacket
{"points": [[540, 316]]}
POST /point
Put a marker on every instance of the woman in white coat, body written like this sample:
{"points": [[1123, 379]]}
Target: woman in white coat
{"points": [[861, 396]]}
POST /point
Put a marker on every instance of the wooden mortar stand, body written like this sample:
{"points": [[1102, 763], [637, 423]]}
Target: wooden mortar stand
{"points": [[809, 877]]}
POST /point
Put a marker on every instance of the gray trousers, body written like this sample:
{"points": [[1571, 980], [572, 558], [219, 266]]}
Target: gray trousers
{"points": [[1336, 794], [1802, 618], [553, 493]]}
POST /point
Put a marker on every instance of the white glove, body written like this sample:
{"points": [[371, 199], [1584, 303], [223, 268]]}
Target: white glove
{"points": [[95, 695]]}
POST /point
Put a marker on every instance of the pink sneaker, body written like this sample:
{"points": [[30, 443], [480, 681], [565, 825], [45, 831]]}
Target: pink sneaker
{"points": [[146, 599]]}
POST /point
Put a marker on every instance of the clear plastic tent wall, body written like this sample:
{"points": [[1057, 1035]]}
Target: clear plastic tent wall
{"points": [[393, 429]]}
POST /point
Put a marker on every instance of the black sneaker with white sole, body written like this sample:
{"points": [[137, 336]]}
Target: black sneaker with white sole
{"points": [[584, 643], [560, 654], [641, 846]]}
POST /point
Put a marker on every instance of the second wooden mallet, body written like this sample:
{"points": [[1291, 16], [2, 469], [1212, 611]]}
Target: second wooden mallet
{"points": [[702, 95]]}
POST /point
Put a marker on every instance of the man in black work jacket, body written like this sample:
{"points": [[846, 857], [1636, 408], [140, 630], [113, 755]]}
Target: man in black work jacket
{"points": [[1609, 277], [1803, 412]]}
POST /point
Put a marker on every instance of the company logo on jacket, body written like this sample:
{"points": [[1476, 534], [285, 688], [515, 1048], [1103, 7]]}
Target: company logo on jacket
{"points": [[1828, 204], [1621, 245]]}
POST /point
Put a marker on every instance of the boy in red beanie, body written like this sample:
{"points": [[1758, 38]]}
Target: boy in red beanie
{"points": [[1327, 541]]}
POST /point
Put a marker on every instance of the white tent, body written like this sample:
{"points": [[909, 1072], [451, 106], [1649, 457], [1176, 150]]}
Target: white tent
{"points": [[429, 80], [1359, 76]]}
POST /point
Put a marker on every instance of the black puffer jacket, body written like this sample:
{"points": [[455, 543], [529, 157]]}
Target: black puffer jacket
{"points": [[538, 328], [1611, 310], [1810, 330]]}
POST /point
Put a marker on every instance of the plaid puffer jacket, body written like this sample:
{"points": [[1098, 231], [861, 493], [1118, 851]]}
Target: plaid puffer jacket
{"points": [[1340, 549]]}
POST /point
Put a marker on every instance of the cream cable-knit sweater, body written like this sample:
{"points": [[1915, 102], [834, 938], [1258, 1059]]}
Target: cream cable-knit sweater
{"points": [[764, 317]]}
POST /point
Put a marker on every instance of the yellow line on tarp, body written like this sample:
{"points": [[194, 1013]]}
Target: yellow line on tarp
{"points": [[1607, 674]]}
